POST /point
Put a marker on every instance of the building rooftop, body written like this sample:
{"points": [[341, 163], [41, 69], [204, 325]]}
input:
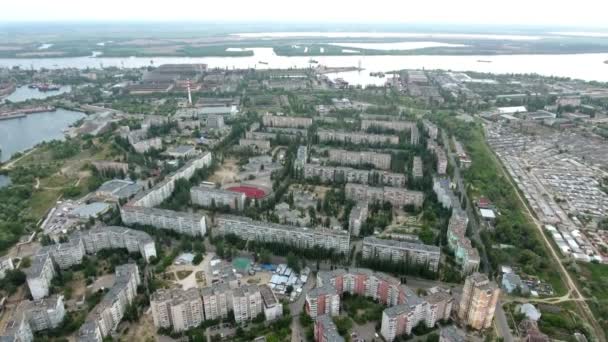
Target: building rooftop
{"points": [[401, 244]]}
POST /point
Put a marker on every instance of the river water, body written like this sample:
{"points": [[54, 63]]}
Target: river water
{"points": [[24, 93], [23, 133], [582, 66]]}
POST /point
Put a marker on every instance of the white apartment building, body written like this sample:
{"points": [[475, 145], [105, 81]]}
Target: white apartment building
{"points": [[181, 222], [47, 313], [323, 300], [39, 275], [356, 137], [398, 197], [402, 251], [400, 126], [246, 228], [100, 238], [177, 309], [209, 197], [217, 301], [246, 303], [378, 160], [286, 121]]}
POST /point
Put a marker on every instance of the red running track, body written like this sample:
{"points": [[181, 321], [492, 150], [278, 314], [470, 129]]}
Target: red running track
{"points": [[249, 191]]}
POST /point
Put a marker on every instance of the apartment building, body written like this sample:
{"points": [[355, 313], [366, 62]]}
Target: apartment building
{"points": [[104, 318], [402, 251], [16, 328], [403, 318], [363, 282], [177, 309], [132, 240], [211, 197], [163, 190], [65, 254], [380, 161], [246, 303], [398, 197], [430, 129], [299, 237], [215, 121], [325, 330], [442, 158], [443, 190], [358, 216], [414, 135], [256, 145], [217, 300], [465, 254], [478, 301], [39, 275], [6, 264], [273, 309], [350, 175], [180, 222], [322, 300], [399, 126], [301, 158], [44, 314], [405, 309], [440, 304], [145, 145], [286, 121], [417, 171], [356, 137]]}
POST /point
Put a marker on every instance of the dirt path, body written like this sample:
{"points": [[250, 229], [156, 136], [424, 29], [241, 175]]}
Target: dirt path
{"points": [[10, 164]]}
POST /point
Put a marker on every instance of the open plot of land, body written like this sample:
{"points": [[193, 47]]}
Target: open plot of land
{"points": [[226, 173]]}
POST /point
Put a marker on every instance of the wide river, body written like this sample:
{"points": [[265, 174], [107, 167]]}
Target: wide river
{"points": [[582, 66], [23, 133]]}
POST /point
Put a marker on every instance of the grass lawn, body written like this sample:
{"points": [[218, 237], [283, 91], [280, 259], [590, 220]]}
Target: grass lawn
{"points": [[42, 201]]}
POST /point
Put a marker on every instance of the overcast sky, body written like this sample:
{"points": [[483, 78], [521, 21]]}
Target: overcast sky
{"points": [[583, 13]]}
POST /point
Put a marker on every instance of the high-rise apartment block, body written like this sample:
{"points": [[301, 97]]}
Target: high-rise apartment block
{"points": [[478, 301], [177, 309]]}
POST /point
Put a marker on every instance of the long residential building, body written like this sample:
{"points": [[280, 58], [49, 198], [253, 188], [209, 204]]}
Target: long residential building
{"points": [[442, 158], [181, 222], [163, 190], [356, 137], [248, 229], [346, 174], [380, 161], [210, 197], [398, 197], [134, 241], [402, 251], [478, 301], [104, 318], [465, 254], [177, 309], [39, 275], [286, 121], [399, 126], [325, 330]]}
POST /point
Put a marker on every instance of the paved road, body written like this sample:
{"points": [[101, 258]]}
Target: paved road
{"points": [[501, 324]]}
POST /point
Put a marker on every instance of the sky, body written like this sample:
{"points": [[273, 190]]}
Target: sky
{"points": [[580, 13]]}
